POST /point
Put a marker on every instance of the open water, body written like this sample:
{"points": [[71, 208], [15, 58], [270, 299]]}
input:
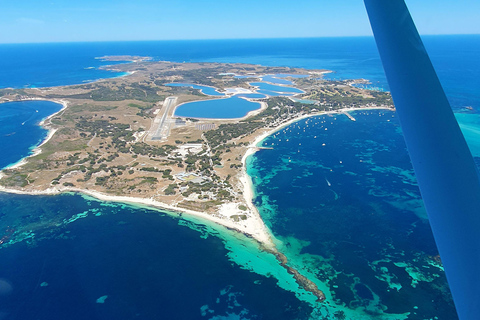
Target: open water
{"points": [[347, 213]]}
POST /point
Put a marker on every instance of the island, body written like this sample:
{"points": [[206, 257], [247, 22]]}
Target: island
{"points": [[120, 139]]}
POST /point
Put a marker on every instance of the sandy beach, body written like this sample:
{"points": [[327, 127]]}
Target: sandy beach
{"points": [[252, 226]]}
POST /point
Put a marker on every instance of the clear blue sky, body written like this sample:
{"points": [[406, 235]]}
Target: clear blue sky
{"points": [[101, 20]]}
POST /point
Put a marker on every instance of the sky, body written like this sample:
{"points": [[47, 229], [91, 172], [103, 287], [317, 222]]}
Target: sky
{"points": [[29, 21]]}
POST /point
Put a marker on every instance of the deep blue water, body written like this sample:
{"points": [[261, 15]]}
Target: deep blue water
{"points": [[19, 129], [358, 226], [44, 65]]}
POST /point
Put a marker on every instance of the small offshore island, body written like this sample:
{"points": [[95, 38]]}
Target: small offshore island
{"points": [[120, 139]]}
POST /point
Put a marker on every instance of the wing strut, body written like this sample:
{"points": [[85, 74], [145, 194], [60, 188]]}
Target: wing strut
{"points": [[446, 172]]}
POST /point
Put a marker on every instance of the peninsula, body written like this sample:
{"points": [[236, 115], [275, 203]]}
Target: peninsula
{"points": [[120, 140]]}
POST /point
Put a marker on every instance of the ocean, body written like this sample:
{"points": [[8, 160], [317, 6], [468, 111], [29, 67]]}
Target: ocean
{"points": [[339, 196]]}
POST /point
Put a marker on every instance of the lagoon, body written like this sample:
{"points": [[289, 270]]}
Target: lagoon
{"points": [[271, 87], [251, 95], [209, 91], [229, 108]]}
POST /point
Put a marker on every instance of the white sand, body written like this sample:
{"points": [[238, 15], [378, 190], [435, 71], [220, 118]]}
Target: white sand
{"points": [[252, 226], [237, 91]]}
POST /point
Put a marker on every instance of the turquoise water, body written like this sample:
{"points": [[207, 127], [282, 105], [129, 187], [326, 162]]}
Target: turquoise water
{"points": [[228, 108], [19, 130], [203, 89], [470, 125]]}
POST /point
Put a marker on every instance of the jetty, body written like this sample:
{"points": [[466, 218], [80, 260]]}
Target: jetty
{"points": [[261, 148], [349, 116]]}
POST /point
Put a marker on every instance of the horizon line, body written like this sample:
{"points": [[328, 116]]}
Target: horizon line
{"points": [[221, 39]]}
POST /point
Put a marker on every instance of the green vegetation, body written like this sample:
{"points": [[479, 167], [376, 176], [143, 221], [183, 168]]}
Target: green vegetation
{"points": [[152, 151], [14, 179], [94, 146], [238, 218], [278, 109], [134, 91], [143, 109], [170, 190], [90, 108], [342, 96]]}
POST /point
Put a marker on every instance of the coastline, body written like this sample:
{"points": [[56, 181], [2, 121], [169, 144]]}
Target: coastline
{"points": [[50, 132], [253, 227]]}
